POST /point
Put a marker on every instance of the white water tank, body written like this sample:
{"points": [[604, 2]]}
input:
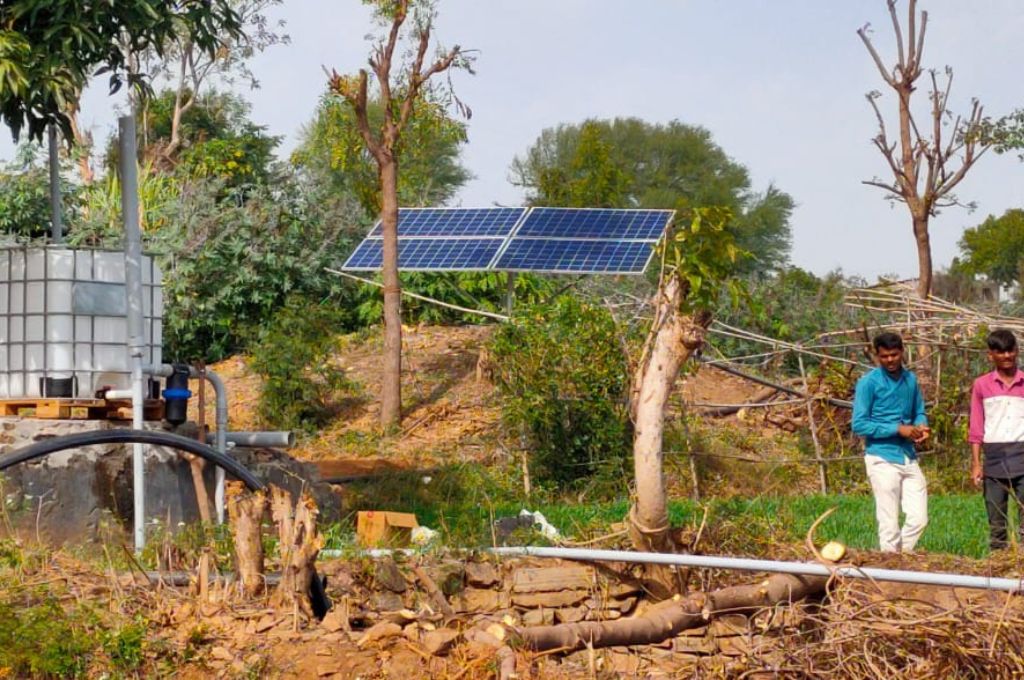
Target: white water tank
{"points": [[63, 316]]}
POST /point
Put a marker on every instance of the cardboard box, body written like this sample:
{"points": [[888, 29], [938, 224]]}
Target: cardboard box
{"points": [[378, 528]]}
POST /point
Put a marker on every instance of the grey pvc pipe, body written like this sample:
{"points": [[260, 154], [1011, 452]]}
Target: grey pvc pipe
{"points": [[278, 440], [220, 391], [133, 297], [1012, 585], [56, 219]]}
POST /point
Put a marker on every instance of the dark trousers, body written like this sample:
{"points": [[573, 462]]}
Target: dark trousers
{"points": [[997, 494]]}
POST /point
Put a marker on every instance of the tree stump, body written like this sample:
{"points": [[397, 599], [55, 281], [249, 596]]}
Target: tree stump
{"points": [[300, 544], [245, 512]]}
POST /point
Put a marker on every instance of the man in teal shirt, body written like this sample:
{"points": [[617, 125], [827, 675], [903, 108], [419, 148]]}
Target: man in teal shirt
{"points": [[888, 411]]}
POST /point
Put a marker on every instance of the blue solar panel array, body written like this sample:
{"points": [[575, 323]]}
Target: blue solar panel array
{"points": [[445, 254], [440, 222], [575, 256], [553, 240], [620, 225]]}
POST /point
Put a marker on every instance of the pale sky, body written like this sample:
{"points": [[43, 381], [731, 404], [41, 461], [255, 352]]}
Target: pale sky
{"points": [[779, 83]]}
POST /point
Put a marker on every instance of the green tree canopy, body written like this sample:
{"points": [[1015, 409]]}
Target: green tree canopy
{"points": [[630, 163], [995, 247], [333, 153], [50, 48], [218, 141], [1006, 133]]}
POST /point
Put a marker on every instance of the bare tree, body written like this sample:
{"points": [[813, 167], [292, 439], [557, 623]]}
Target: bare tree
{"points": [[398, 98], [927, 162]]}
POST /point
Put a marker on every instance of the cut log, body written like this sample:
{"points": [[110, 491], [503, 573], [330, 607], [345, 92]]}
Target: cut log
{"points": [[549, 579], [245, 512], [667, 619]]}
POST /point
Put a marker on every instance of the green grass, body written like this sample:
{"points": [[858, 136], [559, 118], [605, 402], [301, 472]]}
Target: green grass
{"points": [[461, 502]]}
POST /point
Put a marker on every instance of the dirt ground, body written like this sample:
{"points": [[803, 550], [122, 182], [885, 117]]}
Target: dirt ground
{"points": [[387, 622], [451, 407]]}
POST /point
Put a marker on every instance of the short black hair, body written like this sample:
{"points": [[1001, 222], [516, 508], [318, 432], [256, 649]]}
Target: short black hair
{"points": [[1001, 340], [888, 341]]}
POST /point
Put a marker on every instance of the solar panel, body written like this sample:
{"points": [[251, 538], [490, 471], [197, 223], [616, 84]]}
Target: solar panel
{"points": [[421, 254], [554, 240], [574, 256], [602, 223], [440, 222]]}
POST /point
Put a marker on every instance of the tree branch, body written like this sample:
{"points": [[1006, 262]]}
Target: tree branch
{"points": [[887, 187], [862, 32], [899, 35]]}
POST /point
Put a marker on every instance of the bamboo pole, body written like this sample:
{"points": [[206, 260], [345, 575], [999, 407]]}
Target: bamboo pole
{"points": [[822, 466]]}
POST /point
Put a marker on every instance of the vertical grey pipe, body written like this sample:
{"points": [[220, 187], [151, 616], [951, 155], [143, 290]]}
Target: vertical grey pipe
{"points": [[56, 220], [220, 390], [133, 294]]}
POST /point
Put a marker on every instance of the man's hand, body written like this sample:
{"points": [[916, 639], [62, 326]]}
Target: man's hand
{"points": [[915, 433], [976, 473]]}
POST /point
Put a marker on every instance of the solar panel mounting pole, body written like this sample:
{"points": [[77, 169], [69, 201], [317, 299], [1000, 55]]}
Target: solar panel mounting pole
{"points": [[510, 292]]}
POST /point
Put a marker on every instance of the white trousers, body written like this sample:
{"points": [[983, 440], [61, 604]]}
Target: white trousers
{"points": [[898, 486]]}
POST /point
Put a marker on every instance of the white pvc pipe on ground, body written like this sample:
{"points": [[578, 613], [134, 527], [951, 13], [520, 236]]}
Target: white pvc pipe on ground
{"points": [[1012, 585]]}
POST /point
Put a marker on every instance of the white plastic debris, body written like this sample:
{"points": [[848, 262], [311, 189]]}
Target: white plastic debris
{"points": [[422, 535], [540, 522]]}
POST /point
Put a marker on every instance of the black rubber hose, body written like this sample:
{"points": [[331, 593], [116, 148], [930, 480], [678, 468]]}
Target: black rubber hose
{"points": [[316, 591], [175, 441]]}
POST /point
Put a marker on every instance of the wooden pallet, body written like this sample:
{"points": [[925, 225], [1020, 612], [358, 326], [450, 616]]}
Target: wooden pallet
{"points": [[52, 408]]}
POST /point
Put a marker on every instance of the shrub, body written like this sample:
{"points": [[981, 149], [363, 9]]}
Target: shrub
{"points": [[230, 266], [43, 640], [291, 352], [565, 386]]}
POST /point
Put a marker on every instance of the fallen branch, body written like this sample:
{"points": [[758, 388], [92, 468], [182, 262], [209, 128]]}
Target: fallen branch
{"points": [[667, 619]]}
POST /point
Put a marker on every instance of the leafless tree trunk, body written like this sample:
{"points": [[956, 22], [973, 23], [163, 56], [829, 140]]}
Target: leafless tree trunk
{"points": [[673, 337], [382, 144], [183, 101], [391, 392], [926, 167]]}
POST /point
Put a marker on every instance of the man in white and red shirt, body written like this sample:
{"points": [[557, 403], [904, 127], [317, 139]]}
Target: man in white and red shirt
{"points": [[997, 428]]}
